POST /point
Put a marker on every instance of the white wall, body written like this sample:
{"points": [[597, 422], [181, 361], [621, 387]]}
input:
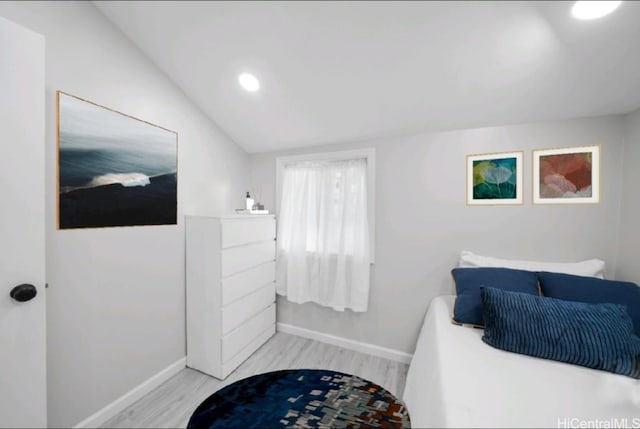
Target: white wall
{"points": [[115, 303], [629, 232], [422, 221]]}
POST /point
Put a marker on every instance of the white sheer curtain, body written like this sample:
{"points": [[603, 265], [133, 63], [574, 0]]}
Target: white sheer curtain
{"points": [[323, 234]]}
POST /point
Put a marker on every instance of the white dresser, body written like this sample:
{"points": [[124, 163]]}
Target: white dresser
{"points": [[230, 274]]}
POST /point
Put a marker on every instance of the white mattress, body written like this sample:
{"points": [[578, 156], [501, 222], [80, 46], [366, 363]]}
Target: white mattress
{"points": [[456, 380]]}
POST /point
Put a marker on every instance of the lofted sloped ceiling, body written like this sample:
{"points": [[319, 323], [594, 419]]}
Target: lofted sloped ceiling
{"points": [[334, 72]]}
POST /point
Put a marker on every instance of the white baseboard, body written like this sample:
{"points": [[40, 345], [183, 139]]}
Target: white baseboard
{"points": [[103, 415], [346, 343]]}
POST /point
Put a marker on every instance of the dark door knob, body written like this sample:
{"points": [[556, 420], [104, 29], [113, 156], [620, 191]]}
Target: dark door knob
{"points": [[24, 292]]}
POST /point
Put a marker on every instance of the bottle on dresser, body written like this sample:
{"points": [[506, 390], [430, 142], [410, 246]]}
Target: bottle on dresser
{"points": [[250, 202]]}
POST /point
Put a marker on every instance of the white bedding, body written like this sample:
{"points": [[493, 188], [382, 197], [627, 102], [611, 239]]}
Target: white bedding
{"points": [[456, 380]]}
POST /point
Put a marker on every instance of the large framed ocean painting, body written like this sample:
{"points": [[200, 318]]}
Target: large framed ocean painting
{"points": [[567, 175], [494, 178], [113, 169]]}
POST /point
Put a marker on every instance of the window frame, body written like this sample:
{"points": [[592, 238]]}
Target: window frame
{"points": [[367, 153]]}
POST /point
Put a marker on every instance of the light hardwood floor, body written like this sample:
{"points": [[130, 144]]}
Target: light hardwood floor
{"points": [[171, 404]]}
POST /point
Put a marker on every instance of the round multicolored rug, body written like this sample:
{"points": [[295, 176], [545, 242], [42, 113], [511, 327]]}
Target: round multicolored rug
{"points": [[301, 398]]}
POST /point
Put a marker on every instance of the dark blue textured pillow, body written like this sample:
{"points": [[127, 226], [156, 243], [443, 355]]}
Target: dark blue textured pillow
{"points": [[468, 306], [593, 291], [598, 336]]}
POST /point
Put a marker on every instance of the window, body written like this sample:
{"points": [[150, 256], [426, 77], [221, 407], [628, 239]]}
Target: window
{"points": [[325, 228], [366, 154]]}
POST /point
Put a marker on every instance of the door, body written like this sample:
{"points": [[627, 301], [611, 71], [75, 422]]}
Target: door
{"points": [[22, 223]]}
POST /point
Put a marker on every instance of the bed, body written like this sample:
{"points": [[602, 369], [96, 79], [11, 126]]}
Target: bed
{"points": [[456, 380]]}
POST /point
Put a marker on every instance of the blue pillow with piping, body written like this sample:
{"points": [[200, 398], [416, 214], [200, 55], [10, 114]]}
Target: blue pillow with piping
{"points": [[468, 305], [598, 336], [593, 291]]}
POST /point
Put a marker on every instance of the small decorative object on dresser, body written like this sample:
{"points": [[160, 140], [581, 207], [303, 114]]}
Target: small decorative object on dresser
{"points": [[230, 272], [249, 201]]}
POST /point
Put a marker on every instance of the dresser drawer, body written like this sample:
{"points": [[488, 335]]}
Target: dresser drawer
{"points": [[237, 339], [228, 367], [236, 232], [237, 259], [243, 309], [241, 284]]}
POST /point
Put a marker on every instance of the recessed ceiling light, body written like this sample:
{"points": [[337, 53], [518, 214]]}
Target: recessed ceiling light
{"points": [[249, 82], [593, 9]]}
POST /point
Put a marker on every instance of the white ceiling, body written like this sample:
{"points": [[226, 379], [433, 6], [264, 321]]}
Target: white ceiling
{"points": [[342, 71]]}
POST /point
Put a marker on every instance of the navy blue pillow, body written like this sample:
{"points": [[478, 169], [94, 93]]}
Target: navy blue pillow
{"points": [[468, 306], [598, 336], [593, 291]]}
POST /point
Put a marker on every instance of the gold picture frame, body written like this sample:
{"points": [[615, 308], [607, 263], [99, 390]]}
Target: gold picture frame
{"points": [[569, 175], [495, 178], [113, 169]]}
